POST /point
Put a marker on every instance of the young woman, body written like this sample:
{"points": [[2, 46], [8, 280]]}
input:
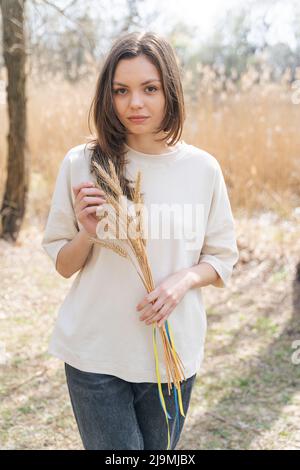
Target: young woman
{"points": [[104, 328]]}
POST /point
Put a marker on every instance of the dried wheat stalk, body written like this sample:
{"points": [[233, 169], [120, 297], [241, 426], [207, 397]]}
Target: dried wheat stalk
{"points": [[135, 250]]}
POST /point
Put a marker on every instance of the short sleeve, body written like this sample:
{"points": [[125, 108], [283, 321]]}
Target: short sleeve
{"points": [[219, 246], [61, 225]]}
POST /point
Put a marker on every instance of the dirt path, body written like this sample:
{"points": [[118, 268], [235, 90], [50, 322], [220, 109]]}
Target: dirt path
{"points": [[247, 393]]}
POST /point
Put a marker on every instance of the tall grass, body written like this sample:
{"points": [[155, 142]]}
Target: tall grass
{"points": [[250, 126]]}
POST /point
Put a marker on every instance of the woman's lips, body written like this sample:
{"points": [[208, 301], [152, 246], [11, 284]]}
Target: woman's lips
{"points": [[138, 120]]}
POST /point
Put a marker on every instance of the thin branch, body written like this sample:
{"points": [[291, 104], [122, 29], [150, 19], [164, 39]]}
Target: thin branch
{"points": [[62, 12], [57, 8]]}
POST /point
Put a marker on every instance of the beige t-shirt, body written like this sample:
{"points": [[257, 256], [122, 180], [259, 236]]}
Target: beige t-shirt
{"points": [[97, 327]]}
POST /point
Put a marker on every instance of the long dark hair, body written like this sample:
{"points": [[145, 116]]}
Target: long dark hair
{"points": [[110, 132]]}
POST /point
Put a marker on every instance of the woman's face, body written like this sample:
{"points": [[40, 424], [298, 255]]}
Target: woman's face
{"points": [[134, 97]]}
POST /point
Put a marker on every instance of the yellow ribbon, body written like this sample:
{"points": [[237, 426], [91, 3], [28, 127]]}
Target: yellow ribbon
{"points": [[159, 381]]}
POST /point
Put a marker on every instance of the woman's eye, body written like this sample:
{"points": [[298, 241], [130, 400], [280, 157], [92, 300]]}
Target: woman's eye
{"points": [[124, 89], [153, 87], [117, 91]]}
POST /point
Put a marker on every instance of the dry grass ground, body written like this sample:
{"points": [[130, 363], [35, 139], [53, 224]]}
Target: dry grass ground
{"points": [[247, 393]]}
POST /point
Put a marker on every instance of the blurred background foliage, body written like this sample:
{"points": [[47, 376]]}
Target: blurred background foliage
{"points": [[241, 78]]}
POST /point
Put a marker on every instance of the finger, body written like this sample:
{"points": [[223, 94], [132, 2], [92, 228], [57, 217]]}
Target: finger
{"points": [[86, 191], [165, 314], [161, 315], [150, 313], [151, 316], [144, 307], [86, 200], [146, 312], [90, 209], [79, 186], [146, 301]]}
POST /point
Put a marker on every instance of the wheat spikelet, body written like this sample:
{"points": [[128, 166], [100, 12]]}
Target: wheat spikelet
{"points": [[114, 176], [113, 246], [121, 216], [108, 180], [137, 189]]}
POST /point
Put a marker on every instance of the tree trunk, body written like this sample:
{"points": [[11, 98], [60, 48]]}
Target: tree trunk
{"points": [[16, 187]]}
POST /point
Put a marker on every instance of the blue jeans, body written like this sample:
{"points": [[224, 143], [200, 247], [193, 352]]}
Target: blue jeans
{"points": [[113, 414]]}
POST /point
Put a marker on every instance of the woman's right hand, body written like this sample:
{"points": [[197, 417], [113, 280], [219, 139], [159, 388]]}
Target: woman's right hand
{"points": [[87, 200]]}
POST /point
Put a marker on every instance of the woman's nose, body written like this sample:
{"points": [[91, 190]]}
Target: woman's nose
{"points": [[136, 100]]}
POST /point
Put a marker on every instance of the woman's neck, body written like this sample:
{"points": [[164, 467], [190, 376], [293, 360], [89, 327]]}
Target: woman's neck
{"points": [[148, 145]]}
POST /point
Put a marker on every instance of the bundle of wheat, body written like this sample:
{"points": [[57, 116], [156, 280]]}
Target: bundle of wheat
{"points": [[125, 237]]}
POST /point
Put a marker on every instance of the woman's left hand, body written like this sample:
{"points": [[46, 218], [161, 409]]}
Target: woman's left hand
{"points": [[166, 296]]}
